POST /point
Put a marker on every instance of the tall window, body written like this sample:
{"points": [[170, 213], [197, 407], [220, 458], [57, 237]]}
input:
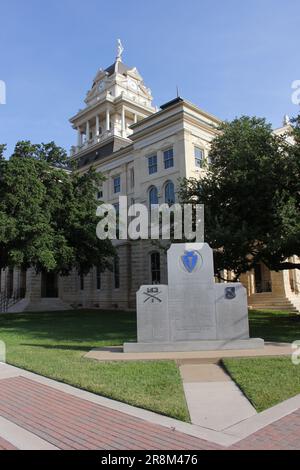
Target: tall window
{"points": [[169, 158], [152, 164], [170, 193], [155, 268], [98, 278], [117, 184], [153, 196], [199, 157], [117, 272]]}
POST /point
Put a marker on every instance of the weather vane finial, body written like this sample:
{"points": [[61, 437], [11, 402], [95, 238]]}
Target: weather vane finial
{"points": [[120, 50]]}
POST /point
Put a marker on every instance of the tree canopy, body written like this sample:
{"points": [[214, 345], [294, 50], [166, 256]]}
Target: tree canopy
{"points": [[251, 194], [48, 213]]}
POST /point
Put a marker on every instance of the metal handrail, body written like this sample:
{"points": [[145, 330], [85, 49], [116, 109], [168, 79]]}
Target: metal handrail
{"points": [[7, 300]]}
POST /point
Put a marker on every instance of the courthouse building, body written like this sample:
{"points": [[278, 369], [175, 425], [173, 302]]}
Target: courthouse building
{"points": [[142, 151]]}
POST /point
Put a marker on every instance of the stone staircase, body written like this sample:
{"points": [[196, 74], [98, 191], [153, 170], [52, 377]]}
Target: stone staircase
{"points": [[269, 301], [295, 300], [48, 305], [41, 305]]}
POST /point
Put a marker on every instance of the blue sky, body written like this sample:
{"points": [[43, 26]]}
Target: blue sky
{"points": [[229, 57]]}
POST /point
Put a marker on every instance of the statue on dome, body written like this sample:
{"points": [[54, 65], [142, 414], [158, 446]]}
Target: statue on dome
{"points": [[120, 50], [286, 120]]}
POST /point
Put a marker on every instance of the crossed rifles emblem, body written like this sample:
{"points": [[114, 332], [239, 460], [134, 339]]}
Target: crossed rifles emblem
{"points": [[152, 295]]}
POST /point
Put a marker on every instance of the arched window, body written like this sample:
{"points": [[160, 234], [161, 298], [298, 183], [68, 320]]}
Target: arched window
{"points": [[170, 193], [155, 267], [153, 196]]}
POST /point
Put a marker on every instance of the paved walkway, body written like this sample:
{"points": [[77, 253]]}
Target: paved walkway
{"points": [[70, 423], [284, 434], [4, 445], [213, 398], [39, 413]]}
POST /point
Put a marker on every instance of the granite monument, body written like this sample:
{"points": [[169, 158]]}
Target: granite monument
{"points": [[192, 312]]}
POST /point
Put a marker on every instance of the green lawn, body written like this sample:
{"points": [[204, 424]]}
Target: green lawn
{"points": [[268, 381], [53, 345], [274, 326]]}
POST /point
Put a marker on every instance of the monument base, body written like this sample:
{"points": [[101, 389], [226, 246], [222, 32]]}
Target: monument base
{"points": [[186, 346]]}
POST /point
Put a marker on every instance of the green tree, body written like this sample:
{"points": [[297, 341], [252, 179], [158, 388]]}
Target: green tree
{"points": [[2, 149], [251, 195], [48, 213]]}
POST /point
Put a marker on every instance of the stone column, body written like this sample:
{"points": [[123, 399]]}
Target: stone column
{"points": [[123, 121], [245, 279], [79, 137], [87, 132], [16, 281], [107, 119], [3, 279], [97, 126], [252, 281], [277, 282], [33, 285]]}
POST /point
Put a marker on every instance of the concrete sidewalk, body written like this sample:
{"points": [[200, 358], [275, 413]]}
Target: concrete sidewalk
{"points": [[40, 413], [214, 400]]}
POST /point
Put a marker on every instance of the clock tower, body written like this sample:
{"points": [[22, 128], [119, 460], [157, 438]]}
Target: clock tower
{"points": [[117, 99]]}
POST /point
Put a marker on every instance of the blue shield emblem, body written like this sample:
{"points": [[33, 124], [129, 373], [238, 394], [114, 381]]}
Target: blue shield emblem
{"points": [[230, 293], [190, 260]]}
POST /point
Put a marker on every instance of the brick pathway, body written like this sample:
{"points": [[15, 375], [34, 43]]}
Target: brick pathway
{"points": [[69, 422], [4, 445], [284, 434]]}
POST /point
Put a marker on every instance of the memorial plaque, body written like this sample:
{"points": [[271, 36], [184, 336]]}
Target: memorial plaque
{"points": [[153, 314], [231, 311]]}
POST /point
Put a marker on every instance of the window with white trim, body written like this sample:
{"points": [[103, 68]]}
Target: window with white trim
{"points": [[170, 193], [117, 184], [153, 196], [199, 157], [168, 158], [152, 164]]}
